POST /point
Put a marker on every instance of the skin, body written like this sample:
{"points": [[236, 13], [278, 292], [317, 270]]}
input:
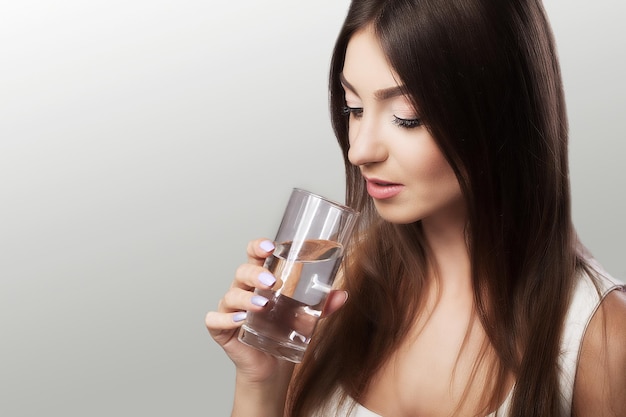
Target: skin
{"points": [[261, 380], [389, 145]]}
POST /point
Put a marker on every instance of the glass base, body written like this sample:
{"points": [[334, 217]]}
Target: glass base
{"points": [[274, 347]]}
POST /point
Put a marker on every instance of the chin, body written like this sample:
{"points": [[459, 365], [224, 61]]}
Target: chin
{"points": [[397, 216]]}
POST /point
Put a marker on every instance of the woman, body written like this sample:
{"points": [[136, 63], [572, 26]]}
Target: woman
{"points": [[469, 293]]}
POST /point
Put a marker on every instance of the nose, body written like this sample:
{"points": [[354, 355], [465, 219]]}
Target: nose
{"points": [[366, 144]]}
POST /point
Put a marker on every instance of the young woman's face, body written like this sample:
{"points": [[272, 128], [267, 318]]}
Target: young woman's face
{"points": [[407, 176]]}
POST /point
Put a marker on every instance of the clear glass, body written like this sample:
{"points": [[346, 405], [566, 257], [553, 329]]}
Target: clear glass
{"points": [[310, 244]]}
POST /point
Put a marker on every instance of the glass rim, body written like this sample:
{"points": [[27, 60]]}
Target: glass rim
{"points": [[327, 200]]}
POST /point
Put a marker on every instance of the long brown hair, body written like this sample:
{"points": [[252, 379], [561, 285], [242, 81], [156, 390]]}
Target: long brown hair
{"points": [[485, 77]]}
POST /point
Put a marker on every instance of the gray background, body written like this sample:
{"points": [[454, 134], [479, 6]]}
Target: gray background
{"points": [[143, 143]]}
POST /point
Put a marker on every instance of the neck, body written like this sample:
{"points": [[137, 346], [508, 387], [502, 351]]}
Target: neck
{"points": [[445, 235]]}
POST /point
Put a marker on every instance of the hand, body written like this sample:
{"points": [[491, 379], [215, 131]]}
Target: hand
{"points": [[223, 324]]}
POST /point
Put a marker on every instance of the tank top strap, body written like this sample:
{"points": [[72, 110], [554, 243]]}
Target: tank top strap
{"points": [[586, 298]]}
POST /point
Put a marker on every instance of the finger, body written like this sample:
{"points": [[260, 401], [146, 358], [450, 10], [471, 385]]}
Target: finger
{"points": [[249, 276], [237, 299], [223, 326], [217, 322], [258, 250], [336, 299]]}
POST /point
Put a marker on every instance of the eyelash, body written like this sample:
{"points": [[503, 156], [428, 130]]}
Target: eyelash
{"points": [[356, 111], [407, 123], [404, 123]]}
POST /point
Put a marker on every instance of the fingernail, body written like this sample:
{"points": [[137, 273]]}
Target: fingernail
{"points": [[257, 300], [267, 246], [241, 316], [267, 279]]}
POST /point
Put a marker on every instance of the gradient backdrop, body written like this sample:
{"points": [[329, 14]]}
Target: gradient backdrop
{"points": [[143, 143]]}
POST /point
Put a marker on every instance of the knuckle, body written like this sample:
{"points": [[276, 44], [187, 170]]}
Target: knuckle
{"points": [[246, 275], [256, 254], [241, 270], [251, 248], [228, 299], [209, 319]]}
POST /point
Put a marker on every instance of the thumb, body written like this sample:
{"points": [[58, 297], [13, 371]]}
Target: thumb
{"points": [[336, 299]]}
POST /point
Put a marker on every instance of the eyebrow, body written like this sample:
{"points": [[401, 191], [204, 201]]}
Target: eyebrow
{"points": [[381, 95]]}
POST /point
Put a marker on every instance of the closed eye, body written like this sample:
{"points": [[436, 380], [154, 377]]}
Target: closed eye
{"points": [[352, 111], [407, 123]]}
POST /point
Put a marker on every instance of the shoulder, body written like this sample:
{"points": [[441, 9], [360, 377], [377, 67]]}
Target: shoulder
{"points": [[600, 386]]}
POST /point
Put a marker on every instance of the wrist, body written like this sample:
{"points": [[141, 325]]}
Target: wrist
{"points": [[266, 398]]}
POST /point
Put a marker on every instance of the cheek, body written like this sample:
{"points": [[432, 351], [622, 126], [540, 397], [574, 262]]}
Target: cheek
{"points": [[424, 158], [436, 165], [431, 166]]}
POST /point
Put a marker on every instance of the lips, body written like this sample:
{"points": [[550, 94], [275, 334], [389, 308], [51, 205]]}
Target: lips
{"points": [[382, 190]]}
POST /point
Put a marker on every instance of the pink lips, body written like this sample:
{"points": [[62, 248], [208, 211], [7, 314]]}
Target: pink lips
{"points": [[381, 190]]}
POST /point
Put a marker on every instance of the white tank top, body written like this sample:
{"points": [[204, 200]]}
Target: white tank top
{"points": [[585, 301]]}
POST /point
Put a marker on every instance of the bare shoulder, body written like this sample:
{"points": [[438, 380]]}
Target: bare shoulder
{"points": [[600, 386]]}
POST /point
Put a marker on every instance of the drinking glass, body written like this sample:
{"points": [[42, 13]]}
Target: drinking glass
{"points": [[309, 247]]}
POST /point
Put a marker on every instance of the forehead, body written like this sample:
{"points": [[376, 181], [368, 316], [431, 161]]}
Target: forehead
{"points": [[365, 65]]}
